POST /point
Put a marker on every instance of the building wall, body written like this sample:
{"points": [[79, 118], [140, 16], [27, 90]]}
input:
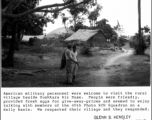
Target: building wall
{"points": [[99, 40]]}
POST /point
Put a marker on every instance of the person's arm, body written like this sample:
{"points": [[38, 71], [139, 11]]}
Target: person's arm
{"points": [[77, 56], [78, 61]]}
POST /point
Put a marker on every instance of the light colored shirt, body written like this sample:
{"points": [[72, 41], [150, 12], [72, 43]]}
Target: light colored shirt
{"points": [[75, 55], [68, 54]]}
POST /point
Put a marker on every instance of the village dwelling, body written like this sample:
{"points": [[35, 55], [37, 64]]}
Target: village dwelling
{"points": [[95, 38]]}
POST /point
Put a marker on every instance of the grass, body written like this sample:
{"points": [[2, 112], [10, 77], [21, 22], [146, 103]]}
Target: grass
{"points": [[86, 50], [90, 73]]}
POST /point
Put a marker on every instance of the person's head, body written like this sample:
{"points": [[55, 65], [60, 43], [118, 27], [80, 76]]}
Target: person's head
{"points": [[74, 48], [69, 47]]}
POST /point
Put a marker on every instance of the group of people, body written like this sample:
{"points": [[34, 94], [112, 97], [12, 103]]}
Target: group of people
{"points": [[71, 63]]}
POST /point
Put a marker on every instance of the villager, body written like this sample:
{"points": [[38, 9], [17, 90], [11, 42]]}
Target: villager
{"points": [[75, 57], [69, 64]]}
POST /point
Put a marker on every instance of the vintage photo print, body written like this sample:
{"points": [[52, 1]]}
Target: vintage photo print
{"points": [[81, 43], [76, 59]]}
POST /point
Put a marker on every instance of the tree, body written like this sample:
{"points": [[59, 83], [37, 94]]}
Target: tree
{"points": [[32, 24], [140, 45], [11, 12], [145, 29], [64, 19], [122, 40], [77, 14], [8, 7], [102, 23], [93, 15], [79, 25], [146, 38], [53, 8], [92, 18], [107, 29], [76, 17], [118, 29]]}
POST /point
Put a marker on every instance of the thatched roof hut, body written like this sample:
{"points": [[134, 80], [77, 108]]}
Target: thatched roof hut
{"points": [[93, 37]]}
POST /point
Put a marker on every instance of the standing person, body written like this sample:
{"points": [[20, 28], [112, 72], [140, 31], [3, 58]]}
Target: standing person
{"points": [[69, 64], [75, 57]]}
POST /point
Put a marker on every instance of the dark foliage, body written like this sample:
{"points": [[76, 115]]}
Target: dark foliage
{"points": [[86, 50]]}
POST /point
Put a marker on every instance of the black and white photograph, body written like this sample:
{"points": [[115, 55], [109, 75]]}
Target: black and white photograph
{"points": [[76, 43], [76, 60]]}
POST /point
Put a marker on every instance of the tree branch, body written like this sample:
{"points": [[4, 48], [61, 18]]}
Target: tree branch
{"points": [[40, 9], [60, 9], [9, 8]]}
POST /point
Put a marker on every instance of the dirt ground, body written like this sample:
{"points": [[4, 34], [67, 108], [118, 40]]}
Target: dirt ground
{"points": [[104, 68]]}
